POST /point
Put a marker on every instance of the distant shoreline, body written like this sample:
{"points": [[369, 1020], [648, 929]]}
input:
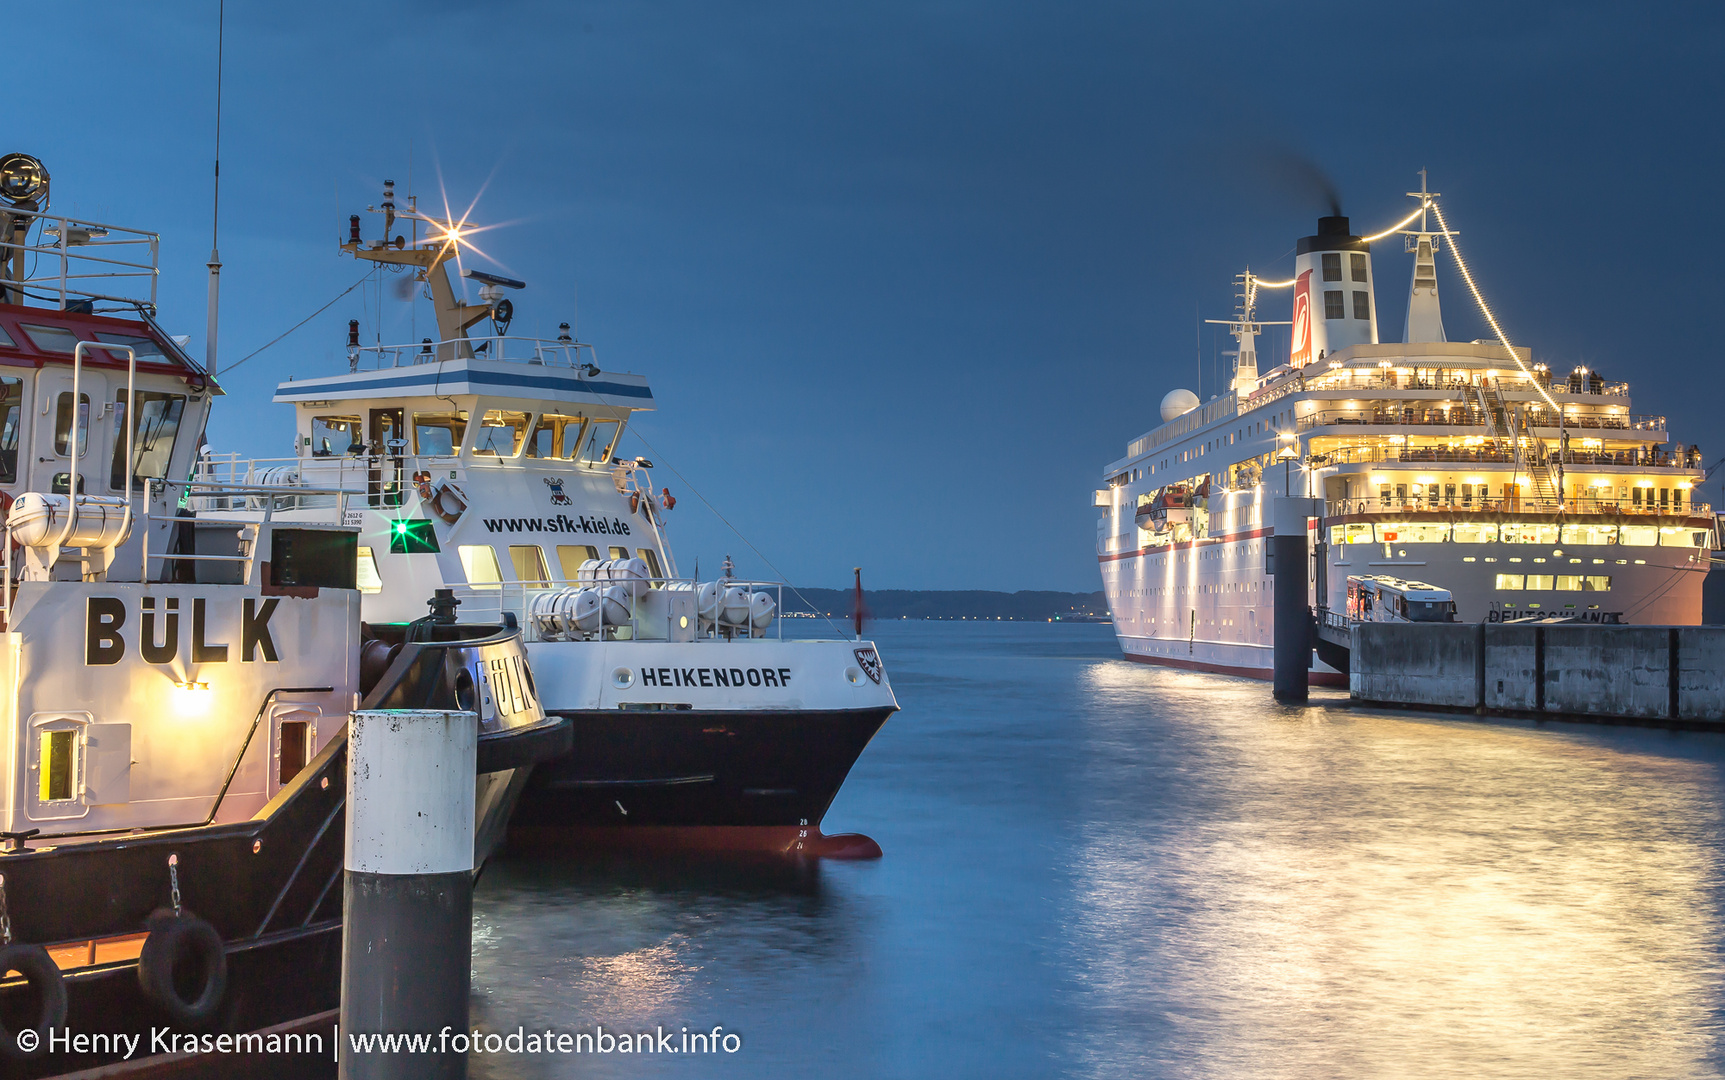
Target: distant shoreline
{"points": [[956, 605]]}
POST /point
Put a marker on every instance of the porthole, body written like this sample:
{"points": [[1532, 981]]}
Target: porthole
{"points": [[623, 678], [852, 675]]}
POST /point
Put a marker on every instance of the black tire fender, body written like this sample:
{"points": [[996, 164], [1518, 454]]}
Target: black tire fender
{"points": [[175, 943], [49, 987]]}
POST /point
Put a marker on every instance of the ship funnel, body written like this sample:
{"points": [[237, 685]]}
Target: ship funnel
{"points": [[1333, 302]]}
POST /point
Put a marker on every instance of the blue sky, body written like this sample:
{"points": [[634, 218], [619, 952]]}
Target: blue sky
{"points": [[904, 277]]}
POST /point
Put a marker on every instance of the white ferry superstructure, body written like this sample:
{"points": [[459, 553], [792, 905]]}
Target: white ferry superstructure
{"points": [[1465, 464]]}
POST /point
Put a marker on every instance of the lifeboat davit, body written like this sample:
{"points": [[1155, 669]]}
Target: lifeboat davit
{"points": [[1171, 506]]}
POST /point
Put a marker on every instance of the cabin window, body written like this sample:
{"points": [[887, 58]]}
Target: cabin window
{"points": [[651, 558], [1358, 263], [153, 433], [1681, 536], [332, 436], [1530, 533], [1540, 582], [500, 433], [295, 749], [439, 434], [142, 347], [1384, 495], [1412, 533], [6, 339], [1639, 535], [1362, 304], [556, 436], [11, 420], [368, 579], [1596, 583], [1510, 582], [1569, 582], [54, 339], [1356, 533], [63, 424], [571, 556], [529, 560], [479, 562], [619, 553], [600, 441], [1474, 532], [1332, 266], [1590, 534], [57, 764]]}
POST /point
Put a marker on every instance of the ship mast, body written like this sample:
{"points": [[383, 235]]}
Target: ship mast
{"points": [[1425, 316], [1245, 326]]}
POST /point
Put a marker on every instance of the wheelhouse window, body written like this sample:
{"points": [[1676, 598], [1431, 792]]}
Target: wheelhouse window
{"points": [[154, 429], [439, 434], [600, 441], [529, 560], [479, 562], [11, 420], [500, 433], [63, 424], [556, 436], [1357, 262], [333, 436], [1332, 266], [142, 347], [571, 556], [1333, 304], [52, 339]]}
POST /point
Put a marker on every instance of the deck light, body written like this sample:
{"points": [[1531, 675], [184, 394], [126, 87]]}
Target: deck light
{"points": [[23, 181]]}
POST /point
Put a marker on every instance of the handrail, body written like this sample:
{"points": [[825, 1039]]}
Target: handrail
{"points": [[558, 352], [525, 590], [131, 433], [72, 244]]}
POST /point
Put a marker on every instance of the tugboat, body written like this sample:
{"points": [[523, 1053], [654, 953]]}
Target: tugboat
{"points": [[491, 465], [175, 691]]}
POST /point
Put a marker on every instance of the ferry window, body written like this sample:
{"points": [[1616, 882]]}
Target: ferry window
{"points": [[63, 424], [1639, 535], [1474, 532], [1449, 494], [1664, 498], [1401, 493], [369, 580], [1384, 495], [600, 440], [1569, 583], [529, 562], [1509, 581], [1677, 499], [1596, 583], [11, 418], [1332, 266], [1412, 533], [1590, 534], [54, 339], [1637, 494], [1362, 304], [500, 433], [1679, 536], [479, 562], [651, 558], [439, 434], [571, 556], [619, 553], [1539, 581], [142, 347], [335, 435], [1357, 533], [555, 436], [153, 432], [6, 339], [1358, 263], [295, 748], [1529, 533]]}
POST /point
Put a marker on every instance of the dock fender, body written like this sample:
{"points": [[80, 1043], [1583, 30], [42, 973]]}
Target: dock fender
{"points": [[183, 968], [49, 989]]}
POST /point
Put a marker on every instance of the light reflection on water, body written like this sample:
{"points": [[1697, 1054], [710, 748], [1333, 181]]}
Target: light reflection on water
{"points": [[1095, 868]]}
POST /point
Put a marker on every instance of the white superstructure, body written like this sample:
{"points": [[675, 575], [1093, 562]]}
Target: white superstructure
{"points": [[1463, 464]]}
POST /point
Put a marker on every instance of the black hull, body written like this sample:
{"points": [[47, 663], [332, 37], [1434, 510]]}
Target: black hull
{"points": [[695, 769]]}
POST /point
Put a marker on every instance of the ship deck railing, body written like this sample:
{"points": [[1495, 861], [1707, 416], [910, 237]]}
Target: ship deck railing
{"points": [[1485, 454], [492, 601], [1470, 416], [261, 504], [72, 263], [1449, 380], [546, 352], [1612, 507]]}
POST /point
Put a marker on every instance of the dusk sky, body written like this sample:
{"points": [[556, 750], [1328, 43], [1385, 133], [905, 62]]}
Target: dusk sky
{"points": [[904, 278]]}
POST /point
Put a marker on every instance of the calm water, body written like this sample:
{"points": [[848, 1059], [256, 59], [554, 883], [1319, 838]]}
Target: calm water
{"points": [[1096, 868]]}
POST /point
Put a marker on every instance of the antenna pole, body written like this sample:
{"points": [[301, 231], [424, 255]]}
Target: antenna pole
{"points": [[215, 263]]}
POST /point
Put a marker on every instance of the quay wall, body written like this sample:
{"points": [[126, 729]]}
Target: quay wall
{"points": [[1667, 675]]}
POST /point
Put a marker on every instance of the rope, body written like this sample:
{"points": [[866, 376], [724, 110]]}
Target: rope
{"points": [[297, 325]]}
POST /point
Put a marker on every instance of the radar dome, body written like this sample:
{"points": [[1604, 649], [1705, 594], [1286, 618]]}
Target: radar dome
{"points": [[1178, 403]]}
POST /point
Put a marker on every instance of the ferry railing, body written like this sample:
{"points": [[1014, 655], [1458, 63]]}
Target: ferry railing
{"points": [[265, 501], [557, 352], [1581, 505], [80, 254], [491, 601], [1466, 416]]}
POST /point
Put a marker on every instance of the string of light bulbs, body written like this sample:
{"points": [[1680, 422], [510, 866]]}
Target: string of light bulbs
{"points": [[1397, 227]]}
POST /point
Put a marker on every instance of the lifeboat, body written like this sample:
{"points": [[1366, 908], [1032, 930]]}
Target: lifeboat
{"points": [[1171, 506]]}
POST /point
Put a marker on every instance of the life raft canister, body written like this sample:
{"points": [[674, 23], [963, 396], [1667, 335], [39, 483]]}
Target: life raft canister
{"points": [[47, 988], [183, 968]]}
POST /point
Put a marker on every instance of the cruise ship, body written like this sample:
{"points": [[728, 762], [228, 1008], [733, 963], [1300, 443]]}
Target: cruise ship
{"points": [[1525, 491]]}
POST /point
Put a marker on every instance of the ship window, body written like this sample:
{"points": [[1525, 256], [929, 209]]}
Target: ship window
{"points": [[500, 433], [369, 580], [529, 560], [63, 424], [295, 748], [1529, 533], [6, 339], [54, 339], [1449, 494], [439, 434], [11, 417], [1664, 498], [1509, 581], [571, 556], [1569, 583], [651, 558], [619, 553], [1384, 495], [1356, 533], [1541, 582], [59, 750], [479, 562], [1358, 263], [1639, 535], [1596, 583], [1333, 304], [1362, 304], [153, 433], [1680, 536], [1332, 266], [1590, 534], [556, 436], [599, 442], [1412, 533], [1637, 496], [142, 347], [335, 435], [1475, 532]]}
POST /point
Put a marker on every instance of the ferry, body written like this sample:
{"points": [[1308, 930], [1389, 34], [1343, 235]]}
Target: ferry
{"points": [[1522, 490], [176, 690], [492, 464]]}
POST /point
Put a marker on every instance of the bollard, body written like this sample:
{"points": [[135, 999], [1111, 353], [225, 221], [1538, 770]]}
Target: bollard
{"points": [[407, 933], [1291, 650]]}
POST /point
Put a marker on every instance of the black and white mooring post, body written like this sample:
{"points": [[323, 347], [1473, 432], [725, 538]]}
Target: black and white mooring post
{"points": [[1292, 650], [407, 934]]}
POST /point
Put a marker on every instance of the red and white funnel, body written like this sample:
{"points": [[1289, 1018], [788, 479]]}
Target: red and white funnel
{"points": [[1334, 306]]}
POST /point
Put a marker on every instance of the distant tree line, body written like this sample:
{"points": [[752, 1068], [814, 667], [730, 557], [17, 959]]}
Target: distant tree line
{"points": [[946, 603]]}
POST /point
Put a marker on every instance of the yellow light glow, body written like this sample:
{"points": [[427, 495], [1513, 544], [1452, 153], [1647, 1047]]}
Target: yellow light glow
{"points": [[1402, 224], [192, 698], [1602, 482], [1380, 478], [1685, 485], [1643, 483], [1425, 479], [1474, 480]]}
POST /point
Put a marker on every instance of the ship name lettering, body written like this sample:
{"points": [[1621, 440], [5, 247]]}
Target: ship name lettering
{"points": [[159, 631], [673, 677]]}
